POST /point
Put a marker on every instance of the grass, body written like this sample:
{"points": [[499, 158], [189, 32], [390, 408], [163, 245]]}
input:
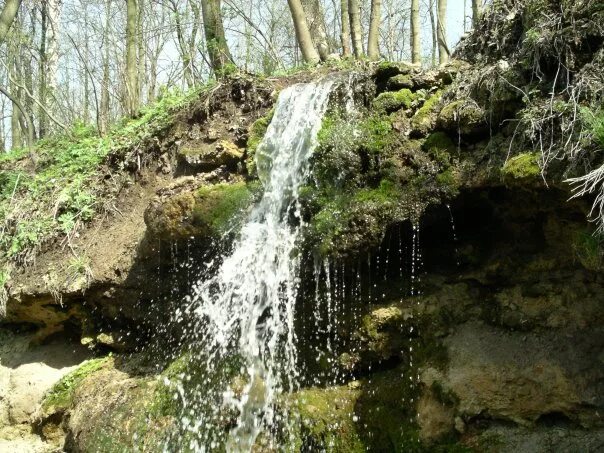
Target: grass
{"points": [[66, 188]]}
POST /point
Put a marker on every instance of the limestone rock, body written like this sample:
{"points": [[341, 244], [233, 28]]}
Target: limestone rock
{"points": [[518, 377]]}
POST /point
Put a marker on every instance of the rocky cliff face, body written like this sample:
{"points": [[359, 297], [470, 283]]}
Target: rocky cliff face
{"points": [[468, 290]]}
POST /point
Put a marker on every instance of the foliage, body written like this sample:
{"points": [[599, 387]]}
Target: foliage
{"points": [[67, 188]]}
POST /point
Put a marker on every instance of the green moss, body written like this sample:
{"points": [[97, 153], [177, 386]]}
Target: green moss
{"points": [[522, 166], [327, 420], [387, 192], [392, 101], [448, 181], [61, 394], [445, 396], [425, 117], [439, 141], [387, 69], [376, 133], [400, 81], [217, 207]]}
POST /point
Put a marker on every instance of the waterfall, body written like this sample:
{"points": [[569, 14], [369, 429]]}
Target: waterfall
{"points": [[248, 306]]}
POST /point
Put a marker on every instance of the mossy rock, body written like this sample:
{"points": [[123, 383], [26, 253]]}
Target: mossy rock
{"points": [[172, 218], [347, 220], [522, 167], [388, 69], [400, 81], [60, 396], [328, 420], [361, 416], [424, 120], [391, 101], [462, 117], [218, 208], [209, 212]]}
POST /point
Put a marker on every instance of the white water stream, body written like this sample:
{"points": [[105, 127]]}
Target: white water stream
{"points": [[248, 306]]}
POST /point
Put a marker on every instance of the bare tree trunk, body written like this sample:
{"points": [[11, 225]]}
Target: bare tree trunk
{"points": [[345, 36], [104, 119], [434, 32], [185, 56], [132, 95], [443, 49], [373, 51], [476, 12], [415, 33], [218, 49], [355, 27], [52, 49], [9, 12], [43, 69], [303, 36], [316, 25], [141, 51], [23, 118]]}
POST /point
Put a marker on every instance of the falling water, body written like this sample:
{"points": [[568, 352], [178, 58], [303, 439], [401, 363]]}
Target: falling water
{"points": [[247, 308]]}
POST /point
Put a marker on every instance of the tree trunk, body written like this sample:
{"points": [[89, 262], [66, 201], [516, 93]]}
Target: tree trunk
{"points": [[415, 33], [29, 127], [52, 48], [141, 51], [104, 119], [303, 36], [434, 32], [316, 25], [9, 12], [345, 36], [132, 95], [443, 49], [216, 43], [476, 12], [373, 51], [43, 70], [355, 27]]}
